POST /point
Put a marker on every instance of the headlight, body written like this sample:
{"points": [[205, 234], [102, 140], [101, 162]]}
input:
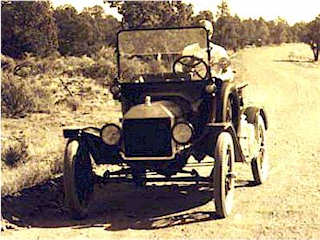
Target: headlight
{"points": [[182, 133], [110, 134], [115, 89]]}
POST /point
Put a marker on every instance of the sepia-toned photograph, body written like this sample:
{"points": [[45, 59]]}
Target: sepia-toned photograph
{"points": [[191, 119]]}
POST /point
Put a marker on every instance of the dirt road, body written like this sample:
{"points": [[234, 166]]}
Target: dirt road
{"points": [[286, 207]]}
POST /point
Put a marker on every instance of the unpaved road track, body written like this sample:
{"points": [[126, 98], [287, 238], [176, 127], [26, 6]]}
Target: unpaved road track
{"points": [[286, 207]]}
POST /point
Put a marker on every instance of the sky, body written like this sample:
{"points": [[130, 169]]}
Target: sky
{"points": [[291, 10]]}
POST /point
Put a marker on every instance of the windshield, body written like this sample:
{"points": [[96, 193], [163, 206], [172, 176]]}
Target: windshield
{"points": [[145, 53]]}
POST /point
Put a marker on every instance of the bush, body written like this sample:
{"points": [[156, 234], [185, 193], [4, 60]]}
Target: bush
{"points": [[15, 97], [129, 68], [104, 70], [20, 97], [15, 153], [103, 66], [7, 63]]}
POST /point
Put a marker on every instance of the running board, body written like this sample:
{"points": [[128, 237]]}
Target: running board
{"points": [[196, 179]]}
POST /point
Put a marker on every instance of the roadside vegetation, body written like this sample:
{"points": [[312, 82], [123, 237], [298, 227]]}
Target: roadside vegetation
{"points": [[41, 96]]}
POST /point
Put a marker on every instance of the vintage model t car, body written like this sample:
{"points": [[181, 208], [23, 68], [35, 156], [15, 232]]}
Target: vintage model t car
{"points": [[173, 108]]}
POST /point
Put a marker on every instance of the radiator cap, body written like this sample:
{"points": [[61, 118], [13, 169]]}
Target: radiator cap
{"points": [[147, 101]]}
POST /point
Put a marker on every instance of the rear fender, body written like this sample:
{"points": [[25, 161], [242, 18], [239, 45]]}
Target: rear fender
{"points": [[252, 114], [209, 139], [100, 152]]}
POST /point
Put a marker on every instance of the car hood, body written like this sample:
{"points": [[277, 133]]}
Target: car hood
{"points": [[158, 109]]}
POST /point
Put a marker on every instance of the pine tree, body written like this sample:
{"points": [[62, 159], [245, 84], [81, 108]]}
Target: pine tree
{"points": [[223, 9]]}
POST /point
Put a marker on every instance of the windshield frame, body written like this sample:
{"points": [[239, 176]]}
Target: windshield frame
{"points": [[159, 29]]}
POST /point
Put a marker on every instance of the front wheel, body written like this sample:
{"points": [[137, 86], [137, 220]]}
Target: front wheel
{"points": [[260, 164], [78, 178], [223, 177]]}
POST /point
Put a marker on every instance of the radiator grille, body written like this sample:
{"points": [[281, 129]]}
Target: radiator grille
{"points": [[147, 137]]}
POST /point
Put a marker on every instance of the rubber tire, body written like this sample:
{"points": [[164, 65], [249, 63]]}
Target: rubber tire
{"points": [[223, 202], [77, 160], [260, 165]]}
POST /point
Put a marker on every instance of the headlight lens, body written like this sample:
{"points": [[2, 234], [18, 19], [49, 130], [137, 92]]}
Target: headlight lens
{"points": [[115, 89], [182, 132], [110, 134]]}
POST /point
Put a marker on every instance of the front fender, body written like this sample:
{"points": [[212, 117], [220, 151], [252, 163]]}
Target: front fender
{"points": [[100, 152], [228, 90], [252, 114], [207, 142]]}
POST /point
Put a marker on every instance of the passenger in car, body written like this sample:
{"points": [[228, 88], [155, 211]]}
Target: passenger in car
{"points": [[219, 58]]}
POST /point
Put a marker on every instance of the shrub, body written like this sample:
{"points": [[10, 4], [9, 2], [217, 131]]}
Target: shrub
{"points": [[15, 153], [129, 68], [15, 97], [20, 97], [7, 63], [104, 70], [102, 67], [105, 53]]}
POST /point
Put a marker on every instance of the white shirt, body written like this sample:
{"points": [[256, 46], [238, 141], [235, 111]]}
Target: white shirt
{"points": [[216, 54]]}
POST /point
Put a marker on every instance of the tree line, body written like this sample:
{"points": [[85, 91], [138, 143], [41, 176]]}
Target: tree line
{"points": [[37, 28]]}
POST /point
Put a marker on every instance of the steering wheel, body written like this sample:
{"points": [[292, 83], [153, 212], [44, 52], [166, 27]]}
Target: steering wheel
{"points": [[191, 64]]}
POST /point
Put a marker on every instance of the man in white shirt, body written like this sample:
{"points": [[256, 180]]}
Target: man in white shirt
{"points": [[219, 59]]}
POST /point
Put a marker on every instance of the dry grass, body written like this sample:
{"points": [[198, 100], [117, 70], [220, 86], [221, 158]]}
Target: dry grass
{"points": [[43, 135], [29, 174], [40, 97], [37, 153]]}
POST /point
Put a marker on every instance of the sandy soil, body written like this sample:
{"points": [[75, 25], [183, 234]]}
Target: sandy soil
{"points": [[286, 207]]}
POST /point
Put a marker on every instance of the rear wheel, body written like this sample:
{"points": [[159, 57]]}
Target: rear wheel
{"points": [[223, 178], [260, 164], [78, 179]]}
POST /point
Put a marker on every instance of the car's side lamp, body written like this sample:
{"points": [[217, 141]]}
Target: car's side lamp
{"points": [[211, 88], [115, 90]]}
